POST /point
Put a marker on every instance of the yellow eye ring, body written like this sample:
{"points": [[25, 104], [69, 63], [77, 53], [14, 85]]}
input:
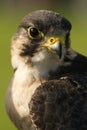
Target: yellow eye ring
{"points": [[34, 33]]}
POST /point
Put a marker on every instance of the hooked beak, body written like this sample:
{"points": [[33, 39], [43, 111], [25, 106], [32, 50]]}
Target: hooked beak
{"points": [[55, 45]]}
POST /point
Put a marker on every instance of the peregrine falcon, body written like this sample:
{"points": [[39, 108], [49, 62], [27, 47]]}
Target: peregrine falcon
{"points": [[48, 90]]}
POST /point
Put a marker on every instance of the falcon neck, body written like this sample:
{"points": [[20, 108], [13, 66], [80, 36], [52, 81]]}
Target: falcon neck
{"points": [[73, 64], [78, 63]]}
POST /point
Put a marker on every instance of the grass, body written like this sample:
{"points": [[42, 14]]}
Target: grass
{"points": [[9, 22]]}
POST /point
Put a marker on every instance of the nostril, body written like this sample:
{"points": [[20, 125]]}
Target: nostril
{"points": [[51, 40]]}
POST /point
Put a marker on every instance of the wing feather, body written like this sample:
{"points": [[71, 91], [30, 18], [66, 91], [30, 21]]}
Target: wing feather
{"points": [[59, 105]]}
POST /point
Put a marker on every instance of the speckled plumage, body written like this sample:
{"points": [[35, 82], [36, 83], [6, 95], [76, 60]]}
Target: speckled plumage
{"points": [[59, 105], [48, 90]]}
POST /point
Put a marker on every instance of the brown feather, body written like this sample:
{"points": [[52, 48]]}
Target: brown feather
{"points": [[59, 105]]}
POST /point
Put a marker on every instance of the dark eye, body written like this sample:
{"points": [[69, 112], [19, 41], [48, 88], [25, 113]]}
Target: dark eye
{"points": [[34, 33]]}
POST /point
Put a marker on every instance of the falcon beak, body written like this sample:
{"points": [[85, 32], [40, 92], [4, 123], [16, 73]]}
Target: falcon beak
{"points": [[55, 45]]}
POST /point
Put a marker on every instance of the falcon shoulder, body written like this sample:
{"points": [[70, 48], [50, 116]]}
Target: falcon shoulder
{"points": [[59, 105]]}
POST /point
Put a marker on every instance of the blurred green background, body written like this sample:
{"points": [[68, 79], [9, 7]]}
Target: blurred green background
{"points": [[11, 13]]}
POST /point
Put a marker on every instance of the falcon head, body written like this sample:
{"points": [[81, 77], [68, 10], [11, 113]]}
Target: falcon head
{"points": [[42, 39]]}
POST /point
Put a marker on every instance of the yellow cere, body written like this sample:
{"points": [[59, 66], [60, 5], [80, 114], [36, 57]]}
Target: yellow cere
{"points": [[53, 40]]}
